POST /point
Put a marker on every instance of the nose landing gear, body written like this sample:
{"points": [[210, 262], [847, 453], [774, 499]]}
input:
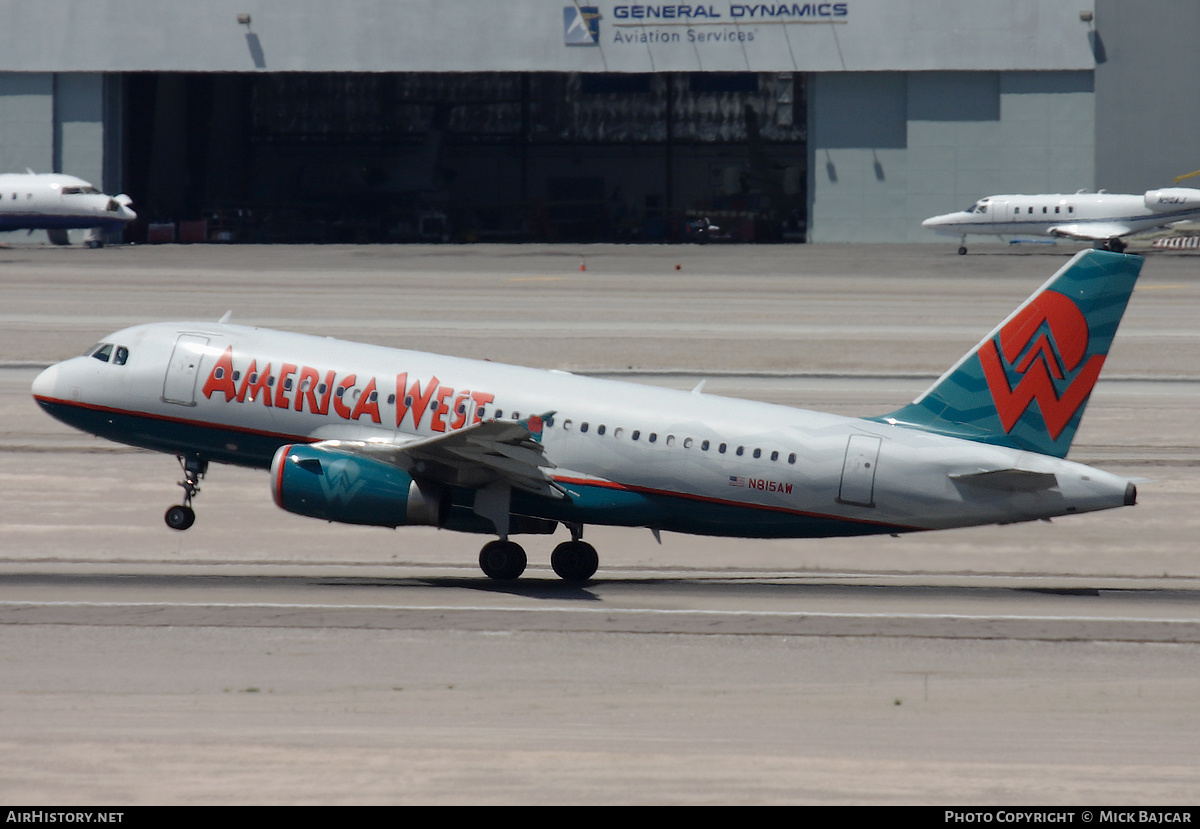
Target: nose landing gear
{"points": [[182, 516]]}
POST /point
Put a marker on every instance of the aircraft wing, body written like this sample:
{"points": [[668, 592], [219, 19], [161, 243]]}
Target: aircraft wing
{"points": [[482, 454], [1092, 231]]}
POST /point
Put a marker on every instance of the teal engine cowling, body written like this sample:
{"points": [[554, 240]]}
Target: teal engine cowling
{"points": [[349, 488], [352, 489]]}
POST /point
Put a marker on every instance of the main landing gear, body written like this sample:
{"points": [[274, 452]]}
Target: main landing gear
{"points": [[574, 561], [182, 516]]}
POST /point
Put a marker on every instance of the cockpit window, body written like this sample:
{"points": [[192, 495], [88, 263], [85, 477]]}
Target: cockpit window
{"points": [[75, 191], [104, 352], [978, 207]]}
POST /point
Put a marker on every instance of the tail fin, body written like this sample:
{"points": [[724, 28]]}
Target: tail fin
{"points": [[1027, 384]]}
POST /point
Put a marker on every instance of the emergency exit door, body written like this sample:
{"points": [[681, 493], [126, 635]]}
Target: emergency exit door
{"points": [[179, 386], [858, 471]]}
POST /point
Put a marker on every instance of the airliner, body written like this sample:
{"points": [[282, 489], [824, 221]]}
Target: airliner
{"points": [[363, 434], [57, 203], [1104, 218]]}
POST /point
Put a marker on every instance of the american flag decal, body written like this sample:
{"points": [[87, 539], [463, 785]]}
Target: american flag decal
{"points": [[737, 480]]}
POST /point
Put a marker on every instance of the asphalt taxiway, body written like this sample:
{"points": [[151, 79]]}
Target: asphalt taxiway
{"points": [[264, 657]]}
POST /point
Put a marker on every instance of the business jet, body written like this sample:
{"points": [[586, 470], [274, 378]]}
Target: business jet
{"points": [[362, 434], [57, 203], [1104, 218]]}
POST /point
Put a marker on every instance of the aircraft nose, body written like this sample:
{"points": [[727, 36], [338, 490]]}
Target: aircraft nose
{"points": [[44, 384]]}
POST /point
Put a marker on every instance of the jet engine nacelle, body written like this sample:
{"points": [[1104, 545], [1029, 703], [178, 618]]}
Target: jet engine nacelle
{"points": [[341, 486], [1172, 198], [352, 489]]}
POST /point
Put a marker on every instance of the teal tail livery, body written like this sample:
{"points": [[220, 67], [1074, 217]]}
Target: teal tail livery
{"points": [[1026, 385]]}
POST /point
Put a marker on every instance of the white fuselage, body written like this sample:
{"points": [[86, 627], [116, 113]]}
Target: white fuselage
{"points": [[51, 201], [626, 454], [1084, 216]]}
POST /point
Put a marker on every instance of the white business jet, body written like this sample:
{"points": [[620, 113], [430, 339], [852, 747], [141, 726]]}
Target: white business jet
{"points": [[368, 435], [1101, 217], [57, 203]]}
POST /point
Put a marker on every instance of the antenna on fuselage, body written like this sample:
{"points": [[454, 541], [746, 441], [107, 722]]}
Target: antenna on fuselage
{"points": [[226, 317]]}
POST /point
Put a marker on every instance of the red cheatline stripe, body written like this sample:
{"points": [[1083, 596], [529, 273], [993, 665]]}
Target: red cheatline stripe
{"points": [[181, 420]]}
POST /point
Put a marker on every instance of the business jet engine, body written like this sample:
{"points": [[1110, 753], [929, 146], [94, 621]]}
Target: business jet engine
{"points": [[1172, 198]]}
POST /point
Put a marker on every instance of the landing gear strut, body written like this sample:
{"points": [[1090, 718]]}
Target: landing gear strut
{"points": [[182, 516]]}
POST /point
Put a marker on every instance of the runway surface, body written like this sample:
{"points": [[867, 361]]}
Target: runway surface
{"points": [[266, 658]]}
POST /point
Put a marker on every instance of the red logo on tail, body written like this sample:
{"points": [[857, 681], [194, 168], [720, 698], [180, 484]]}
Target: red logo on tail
{"points": [[1058, 353]]}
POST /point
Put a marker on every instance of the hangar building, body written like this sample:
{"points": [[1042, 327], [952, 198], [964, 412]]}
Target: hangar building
{"points": [[377, 120]]}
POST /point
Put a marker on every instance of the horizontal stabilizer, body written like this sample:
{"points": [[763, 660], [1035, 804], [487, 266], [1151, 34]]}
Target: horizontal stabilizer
{"points": [[1008, 480]]}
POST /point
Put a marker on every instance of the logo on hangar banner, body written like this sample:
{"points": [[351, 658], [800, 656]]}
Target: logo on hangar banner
{"points": [[581, 24]]}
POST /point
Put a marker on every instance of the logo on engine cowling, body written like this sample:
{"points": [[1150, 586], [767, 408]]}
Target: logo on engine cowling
{"points": [[1044, 345], [341, 481]]}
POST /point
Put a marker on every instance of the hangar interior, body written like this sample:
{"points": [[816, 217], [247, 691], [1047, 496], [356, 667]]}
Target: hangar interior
{"points": [[370, 157]]}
